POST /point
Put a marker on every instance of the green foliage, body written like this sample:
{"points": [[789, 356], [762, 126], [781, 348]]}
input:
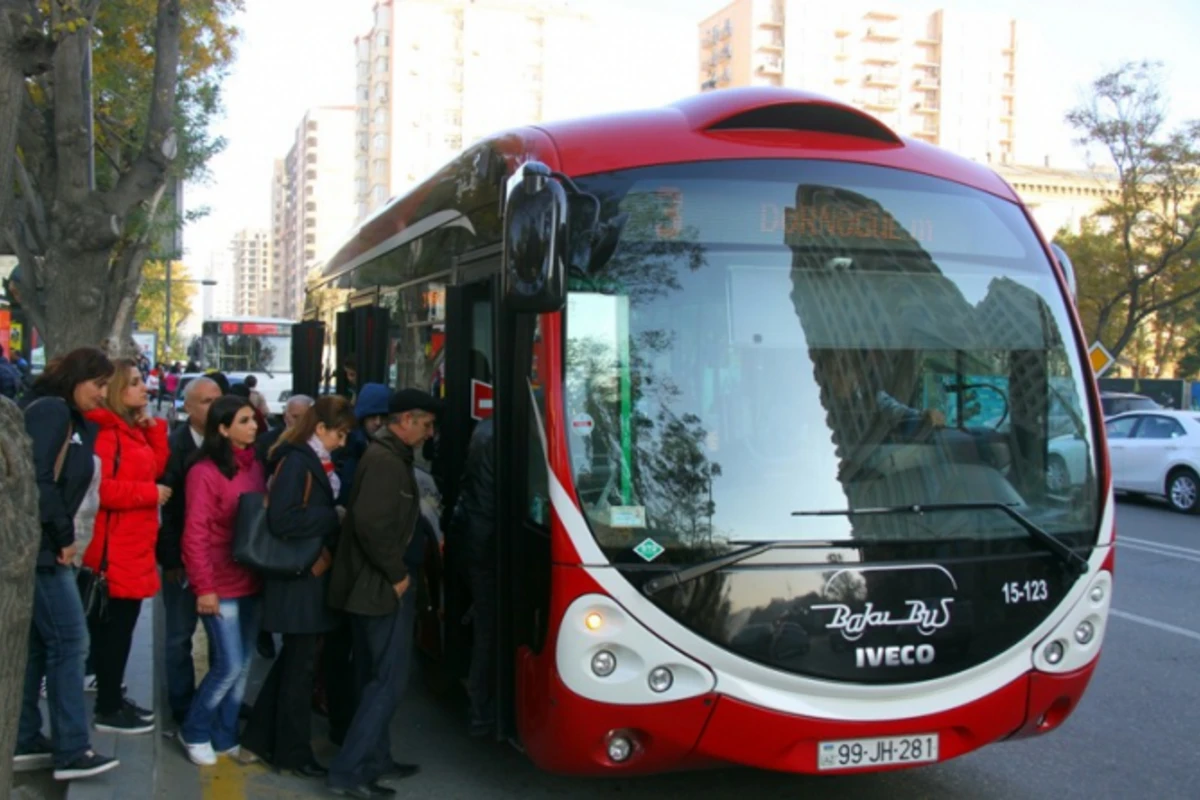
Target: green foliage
{"points": [[151, 314], [1135, 258]]}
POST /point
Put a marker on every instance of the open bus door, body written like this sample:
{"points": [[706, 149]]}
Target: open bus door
{"points": [[488, 363], [308, 348]]}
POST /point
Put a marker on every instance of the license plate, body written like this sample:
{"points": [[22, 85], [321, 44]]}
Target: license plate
{"points": [[856, 753]]}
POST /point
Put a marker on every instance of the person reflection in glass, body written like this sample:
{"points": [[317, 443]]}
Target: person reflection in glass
{"points": [[872, 405]]}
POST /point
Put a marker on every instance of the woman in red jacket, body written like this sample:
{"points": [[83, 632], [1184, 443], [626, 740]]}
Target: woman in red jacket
{"points": [[132, 448]]}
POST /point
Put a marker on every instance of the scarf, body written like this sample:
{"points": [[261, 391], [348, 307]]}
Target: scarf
{"points": [[327, 463]]}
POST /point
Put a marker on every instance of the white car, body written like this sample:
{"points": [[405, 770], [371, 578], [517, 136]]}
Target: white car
{"points": [[1157, 452]]}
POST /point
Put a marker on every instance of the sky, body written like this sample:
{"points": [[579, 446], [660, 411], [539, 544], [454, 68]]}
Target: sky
{"points": [[296, 54]]}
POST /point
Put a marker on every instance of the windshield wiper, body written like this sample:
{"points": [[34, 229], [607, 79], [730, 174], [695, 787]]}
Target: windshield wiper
{"points": [[1075, 563], [688, 574]]}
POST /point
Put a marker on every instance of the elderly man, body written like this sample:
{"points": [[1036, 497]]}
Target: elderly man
{"points": [[296, 407], [372, 584], [178, 601]]}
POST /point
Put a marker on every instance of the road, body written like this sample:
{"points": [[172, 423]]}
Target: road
{"points": [[1134, 735]]}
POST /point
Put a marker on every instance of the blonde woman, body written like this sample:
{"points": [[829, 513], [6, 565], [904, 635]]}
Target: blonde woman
{"points": [[132, 447]]}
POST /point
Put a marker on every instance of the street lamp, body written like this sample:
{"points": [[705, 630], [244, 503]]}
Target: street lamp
{"points": [[167, 327]]}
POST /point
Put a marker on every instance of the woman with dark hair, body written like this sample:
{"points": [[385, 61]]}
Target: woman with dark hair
{"points": [[132, 446], [224, 468], [302, 505], [63, 447]]}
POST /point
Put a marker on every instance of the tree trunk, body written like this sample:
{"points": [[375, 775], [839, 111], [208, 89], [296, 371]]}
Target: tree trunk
{"points": [[76, 289], [12, 94], [20, 536]]}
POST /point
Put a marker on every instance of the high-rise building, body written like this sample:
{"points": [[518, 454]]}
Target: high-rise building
{"points": [[250, 257], [217, 297], [313, 200], [435, 76], [948, 77], [274, 305]]}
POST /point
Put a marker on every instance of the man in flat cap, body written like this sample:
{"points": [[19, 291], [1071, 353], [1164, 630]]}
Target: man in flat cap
{"points": [[371, 584]]}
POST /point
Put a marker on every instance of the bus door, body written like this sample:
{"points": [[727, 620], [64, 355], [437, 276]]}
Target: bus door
{"points": [[468, 386], [489, 364], [308, 348]]}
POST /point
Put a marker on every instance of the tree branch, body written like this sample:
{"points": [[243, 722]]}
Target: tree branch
{"points": [[149, 171], [71, 131], [37, 212]]}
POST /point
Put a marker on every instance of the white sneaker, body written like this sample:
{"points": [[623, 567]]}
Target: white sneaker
{"points": [[201, 755]]}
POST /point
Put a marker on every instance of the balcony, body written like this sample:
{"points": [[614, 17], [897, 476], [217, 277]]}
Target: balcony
{"points": [[925, 108], [725, 53], [775, 42], [886, 16], [882, 33], [882, 102], [772, 66], [929, 136], [888, 80], [727, 29], [929, 82], [881, 57]]}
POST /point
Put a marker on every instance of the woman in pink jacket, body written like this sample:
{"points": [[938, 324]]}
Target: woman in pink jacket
{"points": [[227, 599]]}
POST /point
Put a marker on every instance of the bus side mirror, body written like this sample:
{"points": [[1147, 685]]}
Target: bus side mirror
{"points": [[1064, 262], [535, 241]]}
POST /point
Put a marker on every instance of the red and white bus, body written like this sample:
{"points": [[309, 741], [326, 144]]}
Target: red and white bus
{"points": [[781, 400]]}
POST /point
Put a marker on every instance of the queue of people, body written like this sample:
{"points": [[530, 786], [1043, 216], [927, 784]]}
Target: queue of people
{"points": [[118, 494]]}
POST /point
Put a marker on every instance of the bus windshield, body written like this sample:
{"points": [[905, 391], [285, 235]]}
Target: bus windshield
{"points": [[246, 347], [771, 337]]}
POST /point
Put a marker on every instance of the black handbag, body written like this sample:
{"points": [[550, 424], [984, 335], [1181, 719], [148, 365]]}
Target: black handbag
{"points": [[93, 585], [255, 546]]}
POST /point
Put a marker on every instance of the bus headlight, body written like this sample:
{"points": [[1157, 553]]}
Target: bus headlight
{"points": [[1097, 593], [604, 664], [593, 621], [660, 679], [1085, 632], [1054, 652]]}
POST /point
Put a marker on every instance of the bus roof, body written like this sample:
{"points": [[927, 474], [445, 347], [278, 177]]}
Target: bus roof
{"points": [[743, 123], [754, 122]]}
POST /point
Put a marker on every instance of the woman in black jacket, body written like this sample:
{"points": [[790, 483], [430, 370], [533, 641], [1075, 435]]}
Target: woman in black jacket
{"points": [[63, 449], [301, 505]]}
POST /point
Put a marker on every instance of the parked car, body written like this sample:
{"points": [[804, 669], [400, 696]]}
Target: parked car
{"points": [[1115, 403], [1157, 453]]}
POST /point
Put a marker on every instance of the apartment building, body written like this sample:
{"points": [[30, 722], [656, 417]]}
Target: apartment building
{"points": [[435, 76], [274, 305], [947, 77], [250, 258], [312, 200]]}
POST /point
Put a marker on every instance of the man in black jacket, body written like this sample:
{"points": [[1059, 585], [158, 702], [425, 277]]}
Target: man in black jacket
{"points": [[178, 600], [372, 584]]}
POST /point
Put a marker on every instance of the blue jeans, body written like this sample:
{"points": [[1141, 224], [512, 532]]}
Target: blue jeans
{"points": [[58, 646], [213, 716], [179, 606]]}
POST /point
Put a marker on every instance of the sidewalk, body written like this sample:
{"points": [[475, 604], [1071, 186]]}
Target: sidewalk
{"points": [[135, 778]]}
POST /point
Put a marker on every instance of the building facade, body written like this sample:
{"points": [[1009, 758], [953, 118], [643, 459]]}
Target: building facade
{"points": [[274, 306], [312, 200], [435, 76], [948, 77], [250, 259]]}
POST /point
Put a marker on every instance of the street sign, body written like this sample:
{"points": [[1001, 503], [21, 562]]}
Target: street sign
{"points": [[1100, 357], [481, 400]]}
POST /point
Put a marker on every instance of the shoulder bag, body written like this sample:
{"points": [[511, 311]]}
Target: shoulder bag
{"points": [[256, 547]]}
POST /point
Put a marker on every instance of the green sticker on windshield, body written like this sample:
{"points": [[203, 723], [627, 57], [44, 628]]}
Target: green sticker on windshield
{"points": [[649, 550]]}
